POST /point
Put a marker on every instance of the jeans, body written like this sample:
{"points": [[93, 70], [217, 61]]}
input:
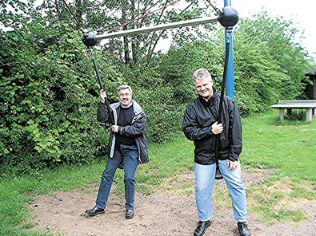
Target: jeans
{"points": [[204, 182], [129, 155]]}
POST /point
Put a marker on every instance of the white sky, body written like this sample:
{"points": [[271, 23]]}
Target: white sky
{"points": [[301, 12]]}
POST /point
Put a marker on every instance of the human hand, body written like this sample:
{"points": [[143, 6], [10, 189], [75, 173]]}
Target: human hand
{"points": [[102, 96], [114, 128], [217, 128], [232, 164]]}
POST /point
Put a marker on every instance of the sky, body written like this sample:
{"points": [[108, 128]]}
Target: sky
{"points": [[301, 12]]}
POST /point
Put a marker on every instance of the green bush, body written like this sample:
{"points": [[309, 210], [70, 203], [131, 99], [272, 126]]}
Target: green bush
{"points": [[48, 90], [164, 112], [46, 100]]}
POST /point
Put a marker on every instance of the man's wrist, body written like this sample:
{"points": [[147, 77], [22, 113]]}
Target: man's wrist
{"points": [[211, 131]]}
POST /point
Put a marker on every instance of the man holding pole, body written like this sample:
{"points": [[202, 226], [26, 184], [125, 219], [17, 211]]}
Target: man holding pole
{"points": [[127, 146], [200, 125]]}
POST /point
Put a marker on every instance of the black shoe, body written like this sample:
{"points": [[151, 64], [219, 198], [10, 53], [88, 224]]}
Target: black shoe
{"points": [[129, 213], [243, 229], [94, 211], [202, 226]]}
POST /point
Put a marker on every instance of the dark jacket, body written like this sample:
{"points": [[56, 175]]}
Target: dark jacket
{"points": [[136, 130], [197, 122]]}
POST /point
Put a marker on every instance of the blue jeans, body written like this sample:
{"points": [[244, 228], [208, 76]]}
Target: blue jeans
{"points": [[129, 156], [204, 182]]}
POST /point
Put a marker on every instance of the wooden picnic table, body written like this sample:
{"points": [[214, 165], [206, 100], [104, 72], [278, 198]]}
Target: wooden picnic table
{"points": [[308, 105]]}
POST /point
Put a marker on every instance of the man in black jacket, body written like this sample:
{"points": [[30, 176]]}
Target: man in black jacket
{"points": [[127, 146], [201, 126]]}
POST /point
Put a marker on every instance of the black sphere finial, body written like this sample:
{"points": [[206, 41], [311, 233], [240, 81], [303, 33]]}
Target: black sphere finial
{"points": [[89, 39], [229, 17]]}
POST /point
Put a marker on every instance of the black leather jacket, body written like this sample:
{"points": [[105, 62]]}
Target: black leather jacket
{"points": [[197, 122], [136, 130]]}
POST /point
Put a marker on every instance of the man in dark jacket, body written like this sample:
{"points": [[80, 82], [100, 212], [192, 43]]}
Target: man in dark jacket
{"points": [[127, 146], [201, 126]]}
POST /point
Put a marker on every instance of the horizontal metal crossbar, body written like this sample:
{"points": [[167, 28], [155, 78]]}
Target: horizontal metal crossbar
{"points": [[157, 27]]}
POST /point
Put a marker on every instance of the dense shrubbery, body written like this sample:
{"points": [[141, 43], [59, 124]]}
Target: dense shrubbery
{"points": [[48, 90], [269, 63], [164, 113], [45, 99]]}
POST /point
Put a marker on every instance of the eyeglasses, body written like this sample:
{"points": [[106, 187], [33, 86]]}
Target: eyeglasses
{"points": [[124, 94]]}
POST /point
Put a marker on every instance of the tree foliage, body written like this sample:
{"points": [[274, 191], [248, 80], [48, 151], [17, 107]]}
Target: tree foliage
{"points": [[46, 96], [48, 90], [276, 39], [111, 15]]}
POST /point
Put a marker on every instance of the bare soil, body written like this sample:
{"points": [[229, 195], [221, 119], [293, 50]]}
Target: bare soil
{"points": [[168, 211]]}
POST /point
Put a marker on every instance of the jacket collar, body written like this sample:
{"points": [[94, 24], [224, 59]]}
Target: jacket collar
{"points": [[137, 108]]}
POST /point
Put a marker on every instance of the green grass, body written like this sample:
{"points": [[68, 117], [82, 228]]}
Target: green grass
{"points": [[288, 148], [15, 193]]}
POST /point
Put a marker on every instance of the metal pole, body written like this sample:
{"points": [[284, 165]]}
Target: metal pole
{"points": [[157, 27], [230, 66], [107, 104]]}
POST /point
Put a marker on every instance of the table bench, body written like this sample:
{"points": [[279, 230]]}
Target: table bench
{"points": [[308, 105]]}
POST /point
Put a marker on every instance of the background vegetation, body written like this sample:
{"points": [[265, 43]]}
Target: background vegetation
{"points": [[48, 91]]}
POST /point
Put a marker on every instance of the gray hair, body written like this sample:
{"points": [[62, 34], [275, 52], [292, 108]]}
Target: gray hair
{"points": [[124, 86], [201, 74]]}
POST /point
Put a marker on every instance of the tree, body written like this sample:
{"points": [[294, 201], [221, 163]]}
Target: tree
{"points": [[46, 94], [109, 16], [280, 36]]}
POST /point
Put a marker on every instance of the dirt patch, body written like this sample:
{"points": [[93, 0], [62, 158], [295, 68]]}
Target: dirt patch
{"points": [[169, 211]]}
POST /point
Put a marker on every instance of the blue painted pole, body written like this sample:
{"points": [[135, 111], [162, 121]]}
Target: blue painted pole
{"points": [[230, 65]]}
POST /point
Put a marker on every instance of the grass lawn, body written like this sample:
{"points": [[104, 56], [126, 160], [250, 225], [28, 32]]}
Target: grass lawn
{"points": [[288, 148]]}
